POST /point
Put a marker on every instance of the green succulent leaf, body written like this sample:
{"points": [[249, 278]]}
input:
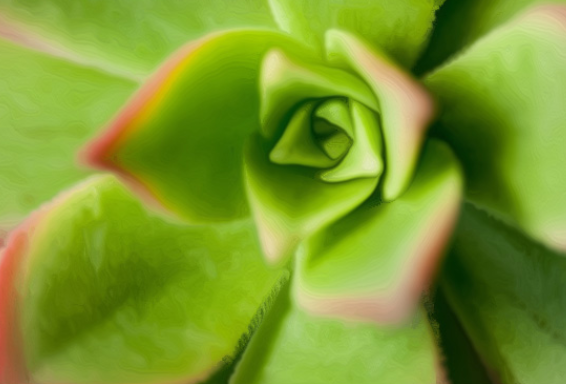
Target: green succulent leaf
{"points": [[459, 23], [129, 36], [405, 107], [110, 293], [504, 116], [462, 363], [291, 346], [401, 28], [375, 263], [510, 296], [182, 137], [49, 106], [290, 202]]}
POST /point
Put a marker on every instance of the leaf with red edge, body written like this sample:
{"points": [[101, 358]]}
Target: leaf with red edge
{"points": [[182, 137], [375, 263], [107, 292], [406, 108], [503, 113]]}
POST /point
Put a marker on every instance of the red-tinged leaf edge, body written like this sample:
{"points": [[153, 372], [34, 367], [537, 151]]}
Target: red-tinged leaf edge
{"points": [[101, 152], [13, 261], [395, 305], [12, 365]]}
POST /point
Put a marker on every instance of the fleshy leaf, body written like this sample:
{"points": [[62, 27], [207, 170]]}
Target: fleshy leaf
{"points": [[286, 82], [462, 363], [404, 105], [182, 137], [128, 36], [509, 294], [459, 23], [399, 27], [294, 347], [504, 116], [289, 203], [375, 263], [110, 293], [48, 108]]}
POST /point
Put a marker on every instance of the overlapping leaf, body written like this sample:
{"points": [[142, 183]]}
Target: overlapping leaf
{"points": [[183, 136], [130, 36], [503, 112], [110, 293], [294, 347], [375, 263], [509, 293], [406, 108], [290, 203], [401, 28], [48, 109], [459, 23]]}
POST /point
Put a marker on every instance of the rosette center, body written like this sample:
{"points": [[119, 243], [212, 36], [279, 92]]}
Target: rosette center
{"points": [[338, 135], [318, 135], [325, 118]]}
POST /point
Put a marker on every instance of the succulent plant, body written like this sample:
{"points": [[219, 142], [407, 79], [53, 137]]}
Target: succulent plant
{"points": [[274, 202]]}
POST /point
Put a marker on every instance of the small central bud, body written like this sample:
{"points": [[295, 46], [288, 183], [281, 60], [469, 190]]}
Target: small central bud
{"points": [[338, 136], [318, 135], [336, 144], [332, 127]]}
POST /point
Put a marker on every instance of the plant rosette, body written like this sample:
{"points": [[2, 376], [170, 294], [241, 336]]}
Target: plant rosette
{"points": [[311, 209], [324, 154]]}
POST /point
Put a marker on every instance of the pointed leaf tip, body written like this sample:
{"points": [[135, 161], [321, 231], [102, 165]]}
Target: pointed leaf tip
{"points": [[182, 136]]}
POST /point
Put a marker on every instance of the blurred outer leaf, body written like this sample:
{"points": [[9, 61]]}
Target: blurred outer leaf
{"points": [[510, 295], [504, 116], [48, 107], [132, 35], [111, 293], [183, 136], [401, 28], [375, 263], [291, 346], [461, 22], [463, 365]]}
